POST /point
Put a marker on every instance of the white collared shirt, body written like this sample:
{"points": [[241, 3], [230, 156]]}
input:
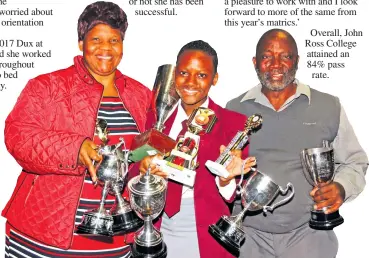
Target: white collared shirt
{"points": [[256, 93]]}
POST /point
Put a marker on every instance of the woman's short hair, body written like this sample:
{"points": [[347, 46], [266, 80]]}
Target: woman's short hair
{"points": [[102, 13]]}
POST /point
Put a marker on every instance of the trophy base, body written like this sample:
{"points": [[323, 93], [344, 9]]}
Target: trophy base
{"points": [[321, 221], [177, 173], [217, 168], [95, 224], [228, 235], [157, 251], [126, 222], [150, 143]]}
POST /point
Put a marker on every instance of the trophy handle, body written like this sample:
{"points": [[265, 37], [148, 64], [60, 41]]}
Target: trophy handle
{"points": [[196, 149], [193, 164], [305, 165], [180, 141], [285, 200], [239, 185]]}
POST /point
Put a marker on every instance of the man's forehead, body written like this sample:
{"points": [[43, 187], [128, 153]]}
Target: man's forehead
{"points": [[280, 35], [280, 39]]}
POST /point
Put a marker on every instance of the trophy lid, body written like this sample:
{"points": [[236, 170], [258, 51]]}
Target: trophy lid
{"points": [[147, 184]]}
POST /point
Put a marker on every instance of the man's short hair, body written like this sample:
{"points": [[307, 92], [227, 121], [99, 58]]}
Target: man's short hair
{"points": [[102, 12], [274, 33], [203, 46]]}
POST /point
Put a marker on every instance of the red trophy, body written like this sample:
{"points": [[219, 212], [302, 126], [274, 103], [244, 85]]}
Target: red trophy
{"points": [[164, 98], [181, 163]]}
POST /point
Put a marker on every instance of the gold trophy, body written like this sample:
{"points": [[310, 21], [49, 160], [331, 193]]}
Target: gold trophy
{"points": [[238, 142]]}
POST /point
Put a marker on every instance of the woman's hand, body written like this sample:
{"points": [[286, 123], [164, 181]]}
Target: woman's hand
{"points": [[154, 169], [88, 154]]}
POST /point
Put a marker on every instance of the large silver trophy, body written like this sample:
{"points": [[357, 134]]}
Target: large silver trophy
{"points": [[256, 194], [238, 142], [147, 195], [111, 173], [318, 167], [164, 98]]}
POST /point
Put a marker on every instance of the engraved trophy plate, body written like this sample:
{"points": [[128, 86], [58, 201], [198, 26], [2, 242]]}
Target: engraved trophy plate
{"points": [[257, 193], [181, 164], [147, 194], [164, 99], [238, 142], [318, 167]]}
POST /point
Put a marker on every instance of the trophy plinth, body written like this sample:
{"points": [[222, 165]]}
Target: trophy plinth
{"points": [[256, 194], [227, 234], [164, 99], [155, 250], [321, 221], [218, 167], [150, 143], [125, 222], [98, 221], [147, 195], [125, 219], [318, 167], [159, 251]]}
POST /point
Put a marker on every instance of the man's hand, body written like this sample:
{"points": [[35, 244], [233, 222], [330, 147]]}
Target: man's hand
{"points": [[154, 169], [328, 196], [235, 166], [88, 154]]}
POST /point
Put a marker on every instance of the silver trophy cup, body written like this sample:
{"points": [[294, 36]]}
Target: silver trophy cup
{"points": [[238, 142], [147, 195], [111, 173], [256, 194], [164, 98], [318, 166], [99, 221]]}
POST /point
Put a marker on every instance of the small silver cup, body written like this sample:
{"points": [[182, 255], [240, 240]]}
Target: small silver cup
{"points": [[318, 166]]}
